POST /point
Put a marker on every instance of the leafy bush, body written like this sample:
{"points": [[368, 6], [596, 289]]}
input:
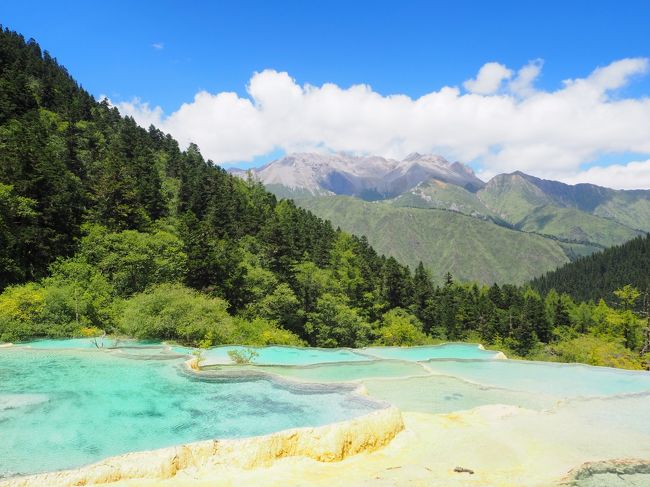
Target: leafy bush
{"points": [[592, 350], [335, 324], [399, 328], [260, 332], [174, 312], [132, 261], [21, 308]]}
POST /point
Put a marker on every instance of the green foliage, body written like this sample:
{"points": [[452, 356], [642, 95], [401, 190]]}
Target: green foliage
{"points": [[132, 261], [121, 230], [259, 332], [20, 311], [627, 295], [173, 312], [400, 328], [281, 306], [600, 274], [84, 295], [470, 248], [335, 324], [592, 350], [17, 217]]}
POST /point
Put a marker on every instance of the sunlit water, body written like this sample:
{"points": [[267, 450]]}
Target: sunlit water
{"points": [[61, 409], [562, 380], [66, 403], [448, 350], [283, 355]]}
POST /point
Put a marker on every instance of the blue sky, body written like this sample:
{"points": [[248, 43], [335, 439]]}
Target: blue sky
{"points": [[396, 47], [164, 52]]}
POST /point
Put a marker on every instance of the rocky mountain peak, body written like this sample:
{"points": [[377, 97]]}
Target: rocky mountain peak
{"points": [[369, 177]]}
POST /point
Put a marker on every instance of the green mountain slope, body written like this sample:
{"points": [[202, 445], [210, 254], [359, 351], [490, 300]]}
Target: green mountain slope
{"points": [[575, 225], [631, 208], [512, 197], [469, 248], [445, 196], [515, 202]]}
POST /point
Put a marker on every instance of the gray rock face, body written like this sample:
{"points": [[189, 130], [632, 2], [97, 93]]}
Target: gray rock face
{"points": [[369, 177]]}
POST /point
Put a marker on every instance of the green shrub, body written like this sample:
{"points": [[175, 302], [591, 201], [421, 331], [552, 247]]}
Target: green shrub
{"points": [[132, 261], [400, 328], [335, 324], [174, 312]]}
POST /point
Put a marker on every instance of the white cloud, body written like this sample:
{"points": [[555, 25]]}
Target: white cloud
{"points": [[143, 114], [633, 175], [489, 79], [522, 85], [158, 46], [546, 133]]}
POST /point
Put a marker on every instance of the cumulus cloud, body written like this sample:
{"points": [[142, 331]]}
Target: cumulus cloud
{"points": [[489, 79], [500, 126], [522, 85], [633, 175]]}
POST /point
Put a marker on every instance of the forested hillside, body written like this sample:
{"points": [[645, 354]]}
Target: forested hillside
{"points": [[106, 227], [600, 274], [472, 249]]}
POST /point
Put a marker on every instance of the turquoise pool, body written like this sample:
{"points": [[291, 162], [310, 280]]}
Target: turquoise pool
{"points": [[284, 355], [447, 350], [312, 356], [64, 408], [561, 380], [341, 372], [88, 343], [67, 403]]}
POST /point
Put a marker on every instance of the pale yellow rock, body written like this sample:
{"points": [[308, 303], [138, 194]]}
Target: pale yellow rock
{"points": [[503, 445]]}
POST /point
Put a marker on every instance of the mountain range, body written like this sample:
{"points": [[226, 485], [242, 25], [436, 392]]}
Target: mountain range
{"points": [[369, 178], [511, 228]]}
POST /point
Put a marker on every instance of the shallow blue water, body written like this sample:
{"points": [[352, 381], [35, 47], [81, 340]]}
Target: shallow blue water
{"points": [[65, 403], [278, 355], [311, 356], [62, 408], [447, 350], [284, 355], [561, 380], [87, 343]]}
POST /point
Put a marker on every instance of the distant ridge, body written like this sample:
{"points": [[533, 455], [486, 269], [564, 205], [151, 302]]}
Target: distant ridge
{"points": [[553, 222], [366, 177]]}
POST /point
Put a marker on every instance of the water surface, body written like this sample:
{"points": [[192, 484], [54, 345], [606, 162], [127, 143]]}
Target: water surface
{"points": [[65, 408]]}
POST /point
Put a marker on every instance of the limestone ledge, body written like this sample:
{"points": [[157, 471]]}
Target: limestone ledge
{"points": [[622, 466], [329, 443]]}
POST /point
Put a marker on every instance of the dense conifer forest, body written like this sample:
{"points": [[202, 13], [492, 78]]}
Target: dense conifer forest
{"points": [[600, 274], [106, 227]]}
